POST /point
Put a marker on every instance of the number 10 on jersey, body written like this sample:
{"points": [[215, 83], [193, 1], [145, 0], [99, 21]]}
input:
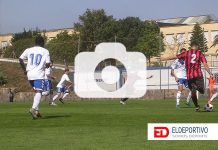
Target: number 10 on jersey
{"points": [[35, 59]]}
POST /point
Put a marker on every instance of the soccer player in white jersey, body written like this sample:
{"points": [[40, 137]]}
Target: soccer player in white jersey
{"points": [[62, 88], [38, 59], [181, 78], [48, 81]]}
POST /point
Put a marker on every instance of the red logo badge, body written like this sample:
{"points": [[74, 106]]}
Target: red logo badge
{"points": [[161, 132]]}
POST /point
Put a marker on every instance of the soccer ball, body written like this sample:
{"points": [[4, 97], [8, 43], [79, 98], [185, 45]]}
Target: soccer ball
{"points": [[208, 108]]}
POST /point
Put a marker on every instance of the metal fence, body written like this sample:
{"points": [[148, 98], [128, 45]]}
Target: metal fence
{"points": [[162, 78]]}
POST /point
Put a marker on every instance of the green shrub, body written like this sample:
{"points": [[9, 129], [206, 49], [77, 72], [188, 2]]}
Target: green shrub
{"points": [[3, 79]]}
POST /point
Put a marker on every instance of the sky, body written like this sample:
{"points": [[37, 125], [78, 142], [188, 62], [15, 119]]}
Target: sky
{"points": [[15, 15]]}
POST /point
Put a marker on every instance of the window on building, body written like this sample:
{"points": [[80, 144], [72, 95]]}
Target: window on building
{"points": [[4, 44], [169, 39], [206, 35], [213, 34], [180, 37], [189, 36]]}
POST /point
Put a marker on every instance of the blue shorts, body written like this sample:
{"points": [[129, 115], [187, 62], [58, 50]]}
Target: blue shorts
{"points": [[183, 82], [62, 90], [48, 85], [37, 84]]}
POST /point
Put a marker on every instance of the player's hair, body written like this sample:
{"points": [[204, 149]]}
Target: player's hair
{"points": [[66, 69], [39, 41], [194, 44], [183, 49]]}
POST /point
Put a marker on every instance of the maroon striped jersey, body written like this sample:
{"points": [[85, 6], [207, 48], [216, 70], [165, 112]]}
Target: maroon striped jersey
{"points": [[193, 59]]}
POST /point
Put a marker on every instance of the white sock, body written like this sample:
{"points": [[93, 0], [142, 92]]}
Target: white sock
{"points": [[45, 93], [65, 95], [36, 101], [197, 94], [178, 97], [213, 97], [189, 97], [55, 97]]}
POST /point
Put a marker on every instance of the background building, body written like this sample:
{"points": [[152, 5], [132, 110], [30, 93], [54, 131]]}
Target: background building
{"points": [[5, 39], [50, 34], [177, 33]]}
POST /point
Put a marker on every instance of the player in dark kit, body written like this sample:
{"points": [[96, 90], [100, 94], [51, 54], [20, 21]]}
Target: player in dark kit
{"points": [[193, 59]]}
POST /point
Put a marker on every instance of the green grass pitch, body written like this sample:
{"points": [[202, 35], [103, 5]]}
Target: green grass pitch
{"points": [[97, 125]]}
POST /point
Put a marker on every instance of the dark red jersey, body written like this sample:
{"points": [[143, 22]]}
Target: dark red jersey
{"points": [[193, 59]]}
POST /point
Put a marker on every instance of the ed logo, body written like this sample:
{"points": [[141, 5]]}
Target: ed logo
{"points": [[161, 132]]}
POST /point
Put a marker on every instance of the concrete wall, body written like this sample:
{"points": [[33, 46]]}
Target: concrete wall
{"points": [[21, 96]]}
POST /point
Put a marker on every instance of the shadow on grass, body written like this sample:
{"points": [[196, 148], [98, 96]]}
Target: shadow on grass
{"points": [[56, 116], [187, 107], [201, 111], [204, 111]]}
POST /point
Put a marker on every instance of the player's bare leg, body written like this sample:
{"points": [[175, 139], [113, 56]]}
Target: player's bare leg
{"points": [[50, 97], [54, 98], [61, 98]]}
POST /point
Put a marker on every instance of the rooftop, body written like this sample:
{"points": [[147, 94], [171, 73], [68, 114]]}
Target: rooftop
{"points": [[203, 19], [50, 30]]}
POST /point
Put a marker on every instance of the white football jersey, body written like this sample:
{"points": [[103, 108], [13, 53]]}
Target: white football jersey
{"points": [[179, 67], [63, 80], [48, 72], [36, 57]]}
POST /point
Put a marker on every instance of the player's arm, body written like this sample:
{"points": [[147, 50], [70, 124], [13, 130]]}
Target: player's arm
{"points": [[23, 56], [168, 58], [173, 74], [23, 66], [70, 83], [206, 67], [52, 77], [173, 67], [204, 61], [179, 56], [47, 60], [48, 74]]}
